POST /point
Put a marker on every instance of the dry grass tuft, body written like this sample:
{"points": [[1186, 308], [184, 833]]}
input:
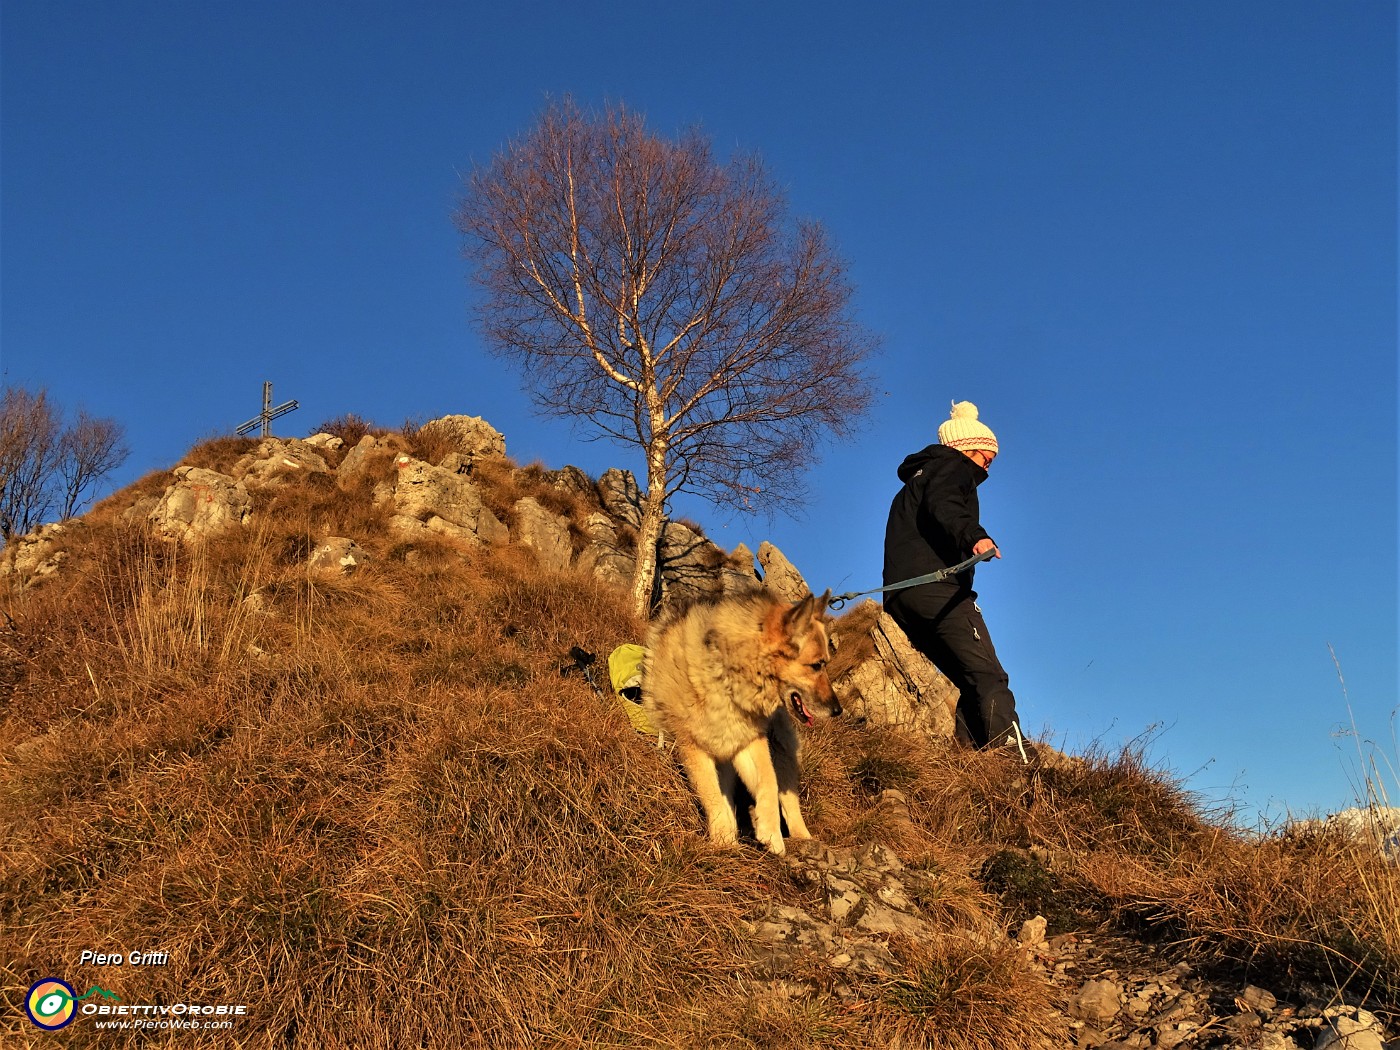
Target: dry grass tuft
{"points": [[219, 453], [962, 991]]}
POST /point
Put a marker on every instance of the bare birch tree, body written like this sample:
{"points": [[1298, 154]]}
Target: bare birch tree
{"points": [[669, 302]]}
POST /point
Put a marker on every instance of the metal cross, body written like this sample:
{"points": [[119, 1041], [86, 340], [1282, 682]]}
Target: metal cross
{"points": [[268, 413]]}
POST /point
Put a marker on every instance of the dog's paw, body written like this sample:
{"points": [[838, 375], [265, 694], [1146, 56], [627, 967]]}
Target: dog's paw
{"points": [[725, 836], [772, 843]]}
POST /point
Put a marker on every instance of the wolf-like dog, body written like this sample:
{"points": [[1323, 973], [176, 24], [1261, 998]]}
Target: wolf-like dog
{"points": [[725, 680]]}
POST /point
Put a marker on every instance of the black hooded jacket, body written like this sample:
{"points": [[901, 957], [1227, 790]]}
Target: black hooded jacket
{"points": [[934, 519]]}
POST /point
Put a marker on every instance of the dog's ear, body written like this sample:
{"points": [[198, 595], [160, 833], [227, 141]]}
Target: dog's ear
{"points": [[809, 608], [800, 613]]}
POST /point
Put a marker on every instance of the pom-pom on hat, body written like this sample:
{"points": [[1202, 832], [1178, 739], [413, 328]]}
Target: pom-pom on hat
{"points": [[962, 430]]}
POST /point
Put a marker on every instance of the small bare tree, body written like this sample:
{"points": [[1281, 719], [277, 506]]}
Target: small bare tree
{"points": [[44, 465], [667, 300], [88, 451]]}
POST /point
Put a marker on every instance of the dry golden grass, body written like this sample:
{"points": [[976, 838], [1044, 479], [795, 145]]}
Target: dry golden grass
{"points": [[371, 809], [219, 453]]}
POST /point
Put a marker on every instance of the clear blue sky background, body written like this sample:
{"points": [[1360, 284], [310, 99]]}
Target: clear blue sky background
{"points": [[1155, 242]]}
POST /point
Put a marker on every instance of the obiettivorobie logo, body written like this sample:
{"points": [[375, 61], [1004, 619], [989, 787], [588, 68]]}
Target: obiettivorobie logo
{"points": [[52, 1004]]}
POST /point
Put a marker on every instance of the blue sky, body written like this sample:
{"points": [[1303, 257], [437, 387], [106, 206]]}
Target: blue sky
{"points": [[1155, 243]]}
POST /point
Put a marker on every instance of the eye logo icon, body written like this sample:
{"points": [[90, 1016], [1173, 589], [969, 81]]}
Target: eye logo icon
{"points": [[50, 1003]]}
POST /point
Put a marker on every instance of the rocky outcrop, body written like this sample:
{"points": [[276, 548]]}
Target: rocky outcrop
{"points": [[1118, 994], [603, 555], [1112, 993], [621, 498], [469, 439], [425, 495], [881, 677], [545, 533], [737, 574], [357, 462], [276, 462], [200, 503], [867, 897], [780, 576], [688, 564], [572, 480], [889, 684], [29, 560]]}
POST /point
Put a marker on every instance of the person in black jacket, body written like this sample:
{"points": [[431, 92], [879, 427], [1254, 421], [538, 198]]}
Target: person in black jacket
{"points": [[935, 523]]}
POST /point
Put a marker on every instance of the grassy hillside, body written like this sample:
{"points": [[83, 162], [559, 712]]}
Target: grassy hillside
{"points": [[370, 809]]}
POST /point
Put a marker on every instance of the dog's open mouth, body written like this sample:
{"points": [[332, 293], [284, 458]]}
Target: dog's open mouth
{"points": [[795, 699]]}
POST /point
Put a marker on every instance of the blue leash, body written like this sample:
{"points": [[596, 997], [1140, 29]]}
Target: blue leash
{"points": [[933, 577]]}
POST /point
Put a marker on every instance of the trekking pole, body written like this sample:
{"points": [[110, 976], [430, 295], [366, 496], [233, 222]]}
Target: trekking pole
{"points": [[933, 577], [583, 662]]}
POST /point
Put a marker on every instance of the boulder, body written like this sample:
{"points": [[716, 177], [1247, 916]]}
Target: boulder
{"points": [[470, 438], [602, 555], [200, 503], [881, 677], [403, 523], [490, 529], [572, 480], [422, 492], [326, 441], [1362, 1031], [737, 574], [356, 461], [1098, 1001], [1032, 932], [443, 527], [338, 555], [688, 564]]}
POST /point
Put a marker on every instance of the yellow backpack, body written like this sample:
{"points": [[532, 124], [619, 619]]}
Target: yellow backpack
{"points": [[625, 672]]}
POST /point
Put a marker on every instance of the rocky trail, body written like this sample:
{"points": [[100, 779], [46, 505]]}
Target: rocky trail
{"points": [[1113, 991]]}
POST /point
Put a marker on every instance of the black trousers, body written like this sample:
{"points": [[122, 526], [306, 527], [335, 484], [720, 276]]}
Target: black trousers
{"points": [[946, 626]]}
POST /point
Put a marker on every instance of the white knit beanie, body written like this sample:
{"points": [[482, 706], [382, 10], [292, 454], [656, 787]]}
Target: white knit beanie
{"points": [[962, 431]]}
